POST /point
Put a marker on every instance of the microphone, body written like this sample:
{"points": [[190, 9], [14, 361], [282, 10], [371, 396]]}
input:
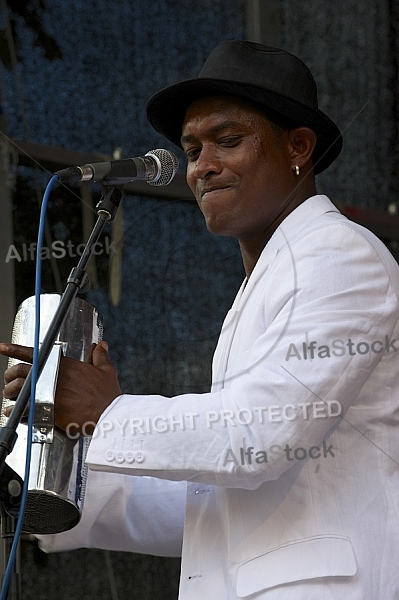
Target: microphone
{"points": [[157, 167]]}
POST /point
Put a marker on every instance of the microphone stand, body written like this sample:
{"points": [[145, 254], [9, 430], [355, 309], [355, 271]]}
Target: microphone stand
{"points": [[9, 480], [10, 500]]}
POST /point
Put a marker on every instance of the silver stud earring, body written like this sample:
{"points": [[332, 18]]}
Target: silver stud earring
{"points": [[296, 170]]}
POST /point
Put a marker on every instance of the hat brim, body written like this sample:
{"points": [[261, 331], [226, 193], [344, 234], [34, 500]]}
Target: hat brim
{"points": [[167, 108]]}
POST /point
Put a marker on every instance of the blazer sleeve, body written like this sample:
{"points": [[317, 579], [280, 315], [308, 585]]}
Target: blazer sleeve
{"points": [[334, 286], [113, 516]]}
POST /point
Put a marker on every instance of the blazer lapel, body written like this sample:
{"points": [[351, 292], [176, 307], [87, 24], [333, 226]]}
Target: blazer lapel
{"points": [[230, 323], [290, 227]]}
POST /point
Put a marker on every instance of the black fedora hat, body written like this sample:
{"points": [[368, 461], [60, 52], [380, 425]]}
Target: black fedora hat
{"points": [[270, 77]]}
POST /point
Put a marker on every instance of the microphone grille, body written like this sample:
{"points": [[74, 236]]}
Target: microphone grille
{"points": [[169, 165]]}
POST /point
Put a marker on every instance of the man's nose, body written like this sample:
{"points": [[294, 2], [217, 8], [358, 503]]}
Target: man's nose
{"points": [[208, 162]]}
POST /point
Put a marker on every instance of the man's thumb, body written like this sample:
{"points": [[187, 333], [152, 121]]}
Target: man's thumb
{"points": [[100, 355]]}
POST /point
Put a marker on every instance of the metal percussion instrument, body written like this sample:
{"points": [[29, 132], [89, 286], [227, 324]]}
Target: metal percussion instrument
{"points": [[58, 472]]}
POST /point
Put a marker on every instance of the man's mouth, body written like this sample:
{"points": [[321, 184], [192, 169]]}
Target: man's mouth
{"points": [[214, 189]]}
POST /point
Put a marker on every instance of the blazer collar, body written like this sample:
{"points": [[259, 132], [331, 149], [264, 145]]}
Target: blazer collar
{"points": [[294, 223]]}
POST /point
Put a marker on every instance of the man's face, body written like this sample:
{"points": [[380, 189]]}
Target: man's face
{"points": [[239, 167]]}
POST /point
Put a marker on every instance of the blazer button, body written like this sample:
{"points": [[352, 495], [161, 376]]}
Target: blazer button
{"points": [[120, 457], [139, 456], [129, 456], [109, 455]]}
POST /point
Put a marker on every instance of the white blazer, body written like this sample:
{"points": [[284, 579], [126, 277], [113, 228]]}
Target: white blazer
{"points": [[292, 459]]}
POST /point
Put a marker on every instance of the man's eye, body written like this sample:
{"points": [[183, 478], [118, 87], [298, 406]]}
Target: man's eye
{"points": [[230, 141], [192, 153]]}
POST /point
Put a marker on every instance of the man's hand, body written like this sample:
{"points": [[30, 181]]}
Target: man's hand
{"points": [[83, 390]]}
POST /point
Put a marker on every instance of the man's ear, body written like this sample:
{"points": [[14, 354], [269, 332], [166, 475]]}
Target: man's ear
{"points": [[302, 141]]}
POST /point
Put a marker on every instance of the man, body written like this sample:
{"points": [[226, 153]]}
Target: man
{"points": [[292, 458]]}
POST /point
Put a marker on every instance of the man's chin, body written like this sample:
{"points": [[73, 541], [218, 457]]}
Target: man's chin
{"points": [[218, 226]]}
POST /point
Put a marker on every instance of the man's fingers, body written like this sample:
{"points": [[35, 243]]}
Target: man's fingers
{"points": [[8, 409], [11, 390], [20, 370], [15, 351], [100, 356], [14, 378]]}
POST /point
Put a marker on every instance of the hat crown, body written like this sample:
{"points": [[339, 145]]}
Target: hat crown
{"points": [[262, 66], [271, 78]]}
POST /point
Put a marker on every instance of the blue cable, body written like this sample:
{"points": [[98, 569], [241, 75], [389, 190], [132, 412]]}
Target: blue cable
{"points": [[38, 287]]}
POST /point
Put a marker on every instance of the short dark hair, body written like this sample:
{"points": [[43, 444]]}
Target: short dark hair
{"points": [[280, 122]]}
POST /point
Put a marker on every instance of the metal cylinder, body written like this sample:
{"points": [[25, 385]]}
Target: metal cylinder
{"points": [[58, 472]]}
